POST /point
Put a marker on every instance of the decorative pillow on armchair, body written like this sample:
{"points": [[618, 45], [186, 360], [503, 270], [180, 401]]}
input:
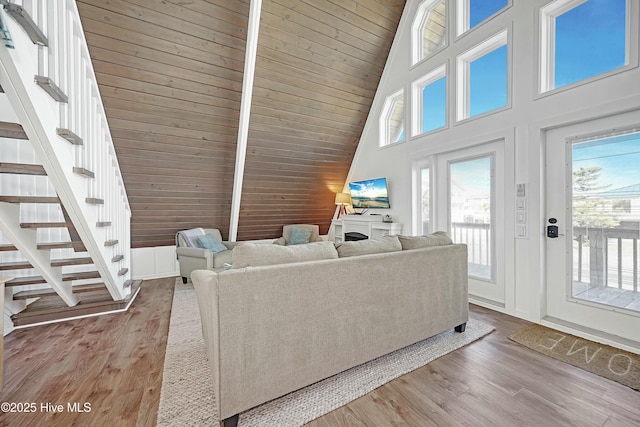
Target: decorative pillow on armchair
{"points": [[210, 242], [299, 236]]}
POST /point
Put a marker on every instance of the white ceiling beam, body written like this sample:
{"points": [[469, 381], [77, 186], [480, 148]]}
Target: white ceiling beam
{"points": [[245, 112]]}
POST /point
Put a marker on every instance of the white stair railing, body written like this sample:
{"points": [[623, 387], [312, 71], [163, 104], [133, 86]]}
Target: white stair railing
{"points": [[53, 90]]}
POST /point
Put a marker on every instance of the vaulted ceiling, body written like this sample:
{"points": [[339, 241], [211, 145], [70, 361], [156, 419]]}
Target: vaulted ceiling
{"points": [[170, 74]]}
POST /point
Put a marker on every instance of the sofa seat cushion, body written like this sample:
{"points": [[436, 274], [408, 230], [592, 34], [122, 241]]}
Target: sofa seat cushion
{"points": [[439, 238], [369, 246], [255, 254]]}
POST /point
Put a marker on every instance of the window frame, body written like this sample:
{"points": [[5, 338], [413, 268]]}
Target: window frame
{"points": [[417, 102], [417, 30], [547, 15], [463, 62], [462, 16], [385, 116]]}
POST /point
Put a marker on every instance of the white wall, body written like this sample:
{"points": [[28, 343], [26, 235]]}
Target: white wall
{"points": [[522, 124], [154, 263]]}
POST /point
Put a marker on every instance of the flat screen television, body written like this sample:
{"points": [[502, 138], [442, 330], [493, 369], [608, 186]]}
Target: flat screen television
{"points": [[369, 194]]}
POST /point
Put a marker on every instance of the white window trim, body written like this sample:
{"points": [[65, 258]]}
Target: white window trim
{"points": [[417, 101], [547, 16], [385, 116], [463, 17], [463, 62], [417, 28]]}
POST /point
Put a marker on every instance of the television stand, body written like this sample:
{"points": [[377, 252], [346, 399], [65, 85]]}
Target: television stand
{"points": [[371, 226]]}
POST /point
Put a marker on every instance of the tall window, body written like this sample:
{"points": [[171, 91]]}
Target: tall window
{"points": [[429, 29], [425, 207], [392, 120], [581, 39], [471, 198], [482, 80], [430, 102], [473, 12]]}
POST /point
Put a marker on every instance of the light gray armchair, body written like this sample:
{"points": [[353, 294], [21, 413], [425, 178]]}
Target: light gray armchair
{"points": [[191, 256], [287, 231]]}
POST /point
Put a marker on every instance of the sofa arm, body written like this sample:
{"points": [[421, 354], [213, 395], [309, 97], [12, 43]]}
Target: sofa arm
{"points": [[194, 259]]}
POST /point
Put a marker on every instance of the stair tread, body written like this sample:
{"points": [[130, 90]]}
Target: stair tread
{"points": [[71, 261], [22, 169], [30, 199], [25, 280], [44, 225], [31, 280], [48, 85], [77, 245], [84, 172], [12, 130], [69, 136], [7, 247], [36, 293], [111, 242], [21, 16], [89, 287], [123, 271], [117, 258], [16, 265]]}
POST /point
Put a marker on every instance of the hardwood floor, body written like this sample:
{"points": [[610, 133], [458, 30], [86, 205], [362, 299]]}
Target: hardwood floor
{"points": [[115, 364]]}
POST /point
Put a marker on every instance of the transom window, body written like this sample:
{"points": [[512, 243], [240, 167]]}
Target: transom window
{"points": [[392, 119], [429, 29], [581, 39]]}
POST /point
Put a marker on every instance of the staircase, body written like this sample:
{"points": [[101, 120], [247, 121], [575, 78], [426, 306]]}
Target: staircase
{"points": [[64, 213]]}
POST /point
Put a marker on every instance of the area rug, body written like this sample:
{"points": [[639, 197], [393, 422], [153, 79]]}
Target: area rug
{"points": [[609, 362], [186, 397]]}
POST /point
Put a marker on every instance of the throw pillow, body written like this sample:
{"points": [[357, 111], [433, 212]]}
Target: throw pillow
{"points": [[209, 242], [369, 246], [299, 236], [439, 238], [248, 254]]}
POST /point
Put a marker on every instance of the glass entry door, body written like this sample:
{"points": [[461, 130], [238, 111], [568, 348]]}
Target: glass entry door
{"points": [[592, 226]]}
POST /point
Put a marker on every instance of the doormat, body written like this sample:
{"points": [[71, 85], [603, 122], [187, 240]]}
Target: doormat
{"points": [[601, 359]]}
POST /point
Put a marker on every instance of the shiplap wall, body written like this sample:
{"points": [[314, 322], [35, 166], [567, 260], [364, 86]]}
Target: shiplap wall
{"points": [[317, 69], [170, 73]]}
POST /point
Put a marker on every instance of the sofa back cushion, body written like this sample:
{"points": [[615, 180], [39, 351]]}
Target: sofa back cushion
{"points": [[254, 254], [369, 246], [438, 238]]}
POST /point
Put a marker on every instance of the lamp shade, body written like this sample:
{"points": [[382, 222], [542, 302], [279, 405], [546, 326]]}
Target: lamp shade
{"points": [[343, 199]]}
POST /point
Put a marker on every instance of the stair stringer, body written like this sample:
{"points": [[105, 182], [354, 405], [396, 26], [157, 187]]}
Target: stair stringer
{"points": [[38, 114], [24, 240]]}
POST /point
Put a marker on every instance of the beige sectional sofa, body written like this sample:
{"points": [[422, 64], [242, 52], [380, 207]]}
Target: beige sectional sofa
{"points": [[315, 310]]}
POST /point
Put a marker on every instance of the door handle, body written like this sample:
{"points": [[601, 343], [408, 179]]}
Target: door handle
{"points": [[552, 230]]}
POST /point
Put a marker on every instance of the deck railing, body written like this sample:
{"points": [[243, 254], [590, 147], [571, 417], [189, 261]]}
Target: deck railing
{"points": [[477, 237], [54, 92], [606, 257]]}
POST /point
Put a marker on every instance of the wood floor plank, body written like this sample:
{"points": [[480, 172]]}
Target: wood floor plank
{"points": [[115, 363]]}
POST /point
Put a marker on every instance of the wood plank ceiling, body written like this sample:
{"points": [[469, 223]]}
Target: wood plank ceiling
{"points": [[170, 74]]}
